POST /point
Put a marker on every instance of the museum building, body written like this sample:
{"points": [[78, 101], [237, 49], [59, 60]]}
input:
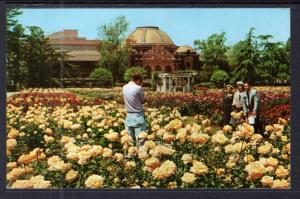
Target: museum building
{"points": [[154, 50], [151, 48]]}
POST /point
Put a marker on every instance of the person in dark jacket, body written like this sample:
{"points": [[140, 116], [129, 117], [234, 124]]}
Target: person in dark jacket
{"points": [[251, 106], [227, 104]]}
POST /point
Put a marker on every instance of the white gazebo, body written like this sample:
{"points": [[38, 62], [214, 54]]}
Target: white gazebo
{"points": [[174, 82]]}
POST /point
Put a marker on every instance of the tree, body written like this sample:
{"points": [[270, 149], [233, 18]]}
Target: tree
{"points": [[219, 77], [114, 53], [135, 69], [14, 34], [246, 58], [30, 58], [212, 54], [40, 58], [103, 75]]}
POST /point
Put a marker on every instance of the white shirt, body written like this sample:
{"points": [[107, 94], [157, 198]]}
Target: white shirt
{"points": [[133, 97], [238, 99]]}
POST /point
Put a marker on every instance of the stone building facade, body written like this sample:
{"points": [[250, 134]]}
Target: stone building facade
{"points": [[83, 54], [154, 50]]}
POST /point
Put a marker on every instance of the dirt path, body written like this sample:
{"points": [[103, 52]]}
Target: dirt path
{"points": [[8, 94]]}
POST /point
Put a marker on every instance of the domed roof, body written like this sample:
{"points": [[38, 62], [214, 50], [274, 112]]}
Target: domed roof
{"points": [[184, 49], [149, 35]]}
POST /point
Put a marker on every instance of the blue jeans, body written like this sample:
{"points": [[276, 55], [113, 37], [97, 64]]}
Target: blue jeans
{"points": [[135, 123]]}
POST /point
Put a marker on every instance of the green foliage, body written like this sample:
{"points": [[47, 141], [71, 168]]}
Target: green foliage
{"points": [[30, 57], [212, 55], [135, 69], [274, 60], [14, 34], [219, 77], [256, 59], [246, 58], [103, 75], [114, 54], [40, 58], [206, 84]]}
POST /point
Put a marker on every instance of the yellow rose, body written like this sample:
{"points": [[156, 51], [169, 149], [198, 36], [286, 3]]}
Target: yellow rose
{"points": [[150, 144], [152, 162], [267, 181], [187, 158], [94, 182], [255, 170], [199, 168], [282, 172], [188, 178], [219, 138], [39, 182], [227, 128], [22, 184], [265, 149], [280, 184], [167, 169], [130, 165], [71, 175]]}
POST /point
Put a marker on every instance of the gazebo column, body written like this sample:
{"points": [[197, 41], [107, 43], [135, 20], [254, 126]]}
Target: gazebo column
{"points": [[188, 85], [164, 85]]}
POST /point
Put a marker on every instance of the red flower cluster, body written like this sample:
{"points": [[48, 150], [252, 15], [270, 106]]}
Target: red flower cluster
{"points": [[179, 99], [271, 115], [49, 99]]}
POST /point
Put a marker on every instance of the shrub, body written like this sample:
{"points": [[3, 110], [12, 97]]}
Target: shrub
{"points": [[219, 77], [103, 75], [206, 84], [135, 69]]}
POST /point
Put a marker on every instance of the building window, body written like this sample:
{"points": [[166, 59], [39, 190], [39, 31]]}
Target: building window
{"points": [[188, 65], [158, 68], [168, 69]]}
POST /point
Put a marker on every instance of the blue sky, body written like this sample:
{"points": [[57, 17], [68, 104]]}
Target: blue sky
{"points": [[182, 25]]}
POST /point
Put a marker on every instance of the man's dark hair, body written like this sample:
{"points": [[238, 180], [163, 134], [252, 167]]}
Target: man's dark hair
{"points": [[136, 76]]}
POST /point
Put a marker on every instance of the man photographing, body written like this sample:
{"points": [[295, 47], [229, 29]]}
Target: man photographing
{"points": [[134, 100]]}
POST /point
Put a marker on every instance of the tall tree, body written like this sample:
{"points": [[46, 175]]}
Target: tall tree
{"points": [[273, 62], [212, 54], [14, 36], [114, 52], [246, 55], [40, 58]]}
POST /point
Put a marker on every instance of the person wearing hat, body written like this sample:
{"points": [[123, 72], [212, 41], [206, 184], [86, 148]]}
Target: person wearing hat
{"points": [[227, 104], [237, 102]]}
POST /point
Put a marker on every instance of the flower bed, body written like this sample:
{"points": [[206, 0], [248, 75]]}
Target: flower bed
{"points": [[49, 97], [86, 146]]}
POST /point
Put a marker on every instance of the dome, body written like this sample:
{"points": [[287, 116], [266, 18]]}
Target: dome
{"points": [[149, 35], [184, 49]]}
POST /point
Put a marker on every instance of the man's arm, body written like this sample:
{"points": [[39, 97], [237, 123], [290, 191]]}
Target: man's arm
{"points": [[256, 101], [234, 101], [141, 94], [244, 103]]}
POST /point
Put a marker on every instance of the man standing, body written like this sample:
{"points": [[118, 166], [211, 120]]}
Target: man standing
{"points": [[134, 99], [251, 105]]}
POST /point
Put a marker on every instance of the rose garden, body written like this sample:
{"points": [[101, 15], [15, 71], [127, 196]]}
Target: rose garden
{"points": [[76, 139], [65, 109]]}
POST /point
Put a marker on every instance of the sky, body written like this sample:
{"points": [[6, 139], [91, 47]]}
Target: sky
{"points": [[183, 25]]}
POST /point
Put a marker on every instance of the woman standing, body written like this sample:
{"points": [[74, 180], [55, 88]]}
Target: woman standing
{"points": [[227, 104]]}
